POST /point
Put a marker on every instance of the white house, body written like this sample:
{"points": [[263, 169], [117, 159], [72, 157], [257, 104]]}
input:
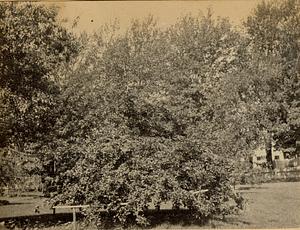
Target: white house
{"points": [[259, 157]]}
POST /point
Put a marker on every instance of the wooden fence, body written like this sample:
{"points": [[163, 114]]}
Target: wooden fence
{"points": [[273, 175]]}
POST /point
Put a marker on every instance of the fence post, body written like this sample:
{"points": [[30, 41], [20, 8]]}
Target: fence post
{"points": [[74, 218]]}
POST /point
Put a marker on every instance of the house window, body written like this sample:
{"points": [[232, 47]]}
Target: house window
{"points": [[258, 158], [276, 157]]}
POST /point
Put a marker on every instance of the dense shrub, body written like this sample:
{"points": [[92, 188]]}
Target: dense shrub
{"points": [[138, 127], [150, 115]]}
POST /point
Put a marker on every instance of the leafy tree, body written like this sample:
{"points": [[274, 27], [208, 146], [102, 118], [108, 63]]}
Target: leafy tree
{"points": [[6, 171], [33, 48], [273, 31], [137, 128]]}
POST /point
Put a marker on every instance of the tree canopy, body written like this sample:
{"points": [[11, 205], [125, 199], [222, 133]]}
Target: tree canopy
{"points": [[150, 115], [273, 32], [33, 45], [33, 48], [138, 124]]}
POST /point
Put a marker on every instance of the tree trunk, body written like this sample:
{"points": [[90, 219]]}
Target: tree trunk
{"points": [[269, 147]]}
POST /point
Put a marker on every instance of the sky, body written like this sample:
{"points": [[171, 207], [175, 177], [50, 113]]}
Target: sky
{"points": [[96, 13]]}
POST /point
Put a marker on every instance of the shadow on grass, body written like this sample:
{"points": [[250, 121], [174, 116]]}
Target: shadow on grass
{"points": [[17, 203], [251, 187], [156, 218], [218, 222], [173, 217], [181, 218], [4, 202], [8, 203], [38, 221]]}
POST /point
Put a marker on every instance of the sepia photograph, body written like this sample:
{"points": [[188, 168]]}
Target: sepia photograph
{"points": [[150, 114]]}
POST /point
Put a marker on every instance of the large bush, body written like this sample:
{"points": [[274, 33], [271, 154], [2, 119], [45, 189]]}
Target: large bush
{"points": [[138, 126]]}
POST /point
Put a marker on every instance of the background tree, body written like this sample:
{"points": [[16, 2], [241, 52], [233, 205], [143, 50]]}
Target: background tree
{"points": [[33, 47], [273, 32]]}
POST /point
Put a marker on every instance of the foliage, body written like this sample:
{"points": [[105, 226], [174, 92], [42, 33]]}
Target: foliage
{"points": [[273, 32], [137, 126], [33, 47], [6, 171], [151, 115]]}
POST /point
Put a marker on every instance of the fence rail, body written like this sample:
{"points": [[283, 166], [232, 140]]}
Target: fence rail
{"points": [[273, 175]]}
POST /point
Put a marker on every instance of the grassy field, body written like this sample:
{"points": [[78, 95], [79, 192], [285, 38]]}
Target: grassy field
{"points": [[272, 205], [25, 206]]}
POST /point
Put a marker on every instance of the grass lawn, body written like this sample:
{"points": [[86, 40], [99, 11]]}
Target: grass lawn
{"points": [[25, 206], [271, 205]]}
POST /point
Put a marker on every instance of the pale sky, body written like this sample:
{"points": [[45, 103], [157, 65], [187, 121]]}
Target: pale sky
{"points": [[96, 13]]}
